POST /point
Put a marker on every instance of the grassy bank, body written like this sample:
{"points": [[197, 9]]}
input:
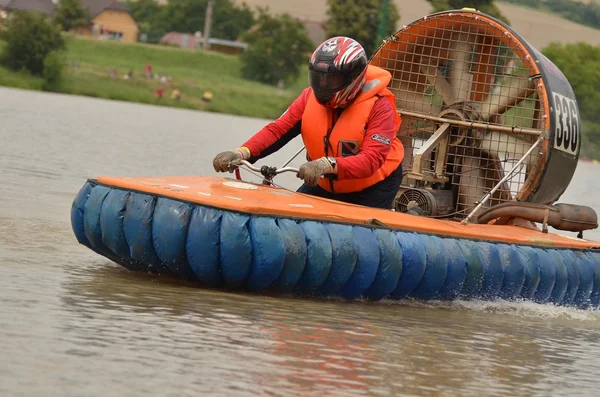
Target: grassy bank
{"points": [[192, 72]]}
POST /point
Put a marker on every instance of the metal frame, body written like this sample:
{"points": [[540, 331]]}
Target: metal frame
{"points": [[506, 177], [474, 124], [439, 138]]}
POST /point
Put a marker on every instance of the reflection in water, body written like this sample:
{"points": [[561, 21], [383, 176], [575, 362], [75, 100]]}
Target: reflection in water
{"points": [[271, 344], [74, 324]]}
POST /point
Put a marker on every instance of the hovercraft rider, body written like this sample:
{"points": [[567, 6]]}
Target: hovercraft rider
{"points": [[348, 121]]}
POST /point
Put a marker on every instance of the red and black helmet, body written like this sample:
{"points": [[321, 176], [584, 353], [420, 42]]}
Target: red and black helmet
{"points": [[337, 71]]}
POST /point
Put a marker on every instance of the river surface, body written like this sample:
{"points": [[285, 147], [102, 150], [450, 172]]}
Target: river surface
{"points": [[75, 324]]}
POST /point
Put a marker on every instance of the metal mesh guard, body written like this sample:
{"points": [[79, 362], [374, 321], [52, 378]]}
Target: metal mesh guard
{"points": [[466, 90]]}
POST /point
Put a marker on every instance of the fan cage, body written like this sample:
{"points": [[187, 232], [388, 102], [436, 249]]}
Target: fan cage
{"points": [[419, 199], [472, 72]]}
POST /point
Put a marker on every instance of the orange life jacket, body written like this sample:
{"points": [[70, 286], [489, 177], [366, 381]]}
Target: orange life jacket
{"points": [[346, 137]]}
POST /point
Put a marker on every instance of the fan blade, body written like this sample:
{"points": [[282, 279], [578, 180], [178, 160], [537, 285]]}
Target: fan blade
{"points": [[497, 144], [409, 99], [460, 78], [470, 187], [441, 85], [507, 96]]}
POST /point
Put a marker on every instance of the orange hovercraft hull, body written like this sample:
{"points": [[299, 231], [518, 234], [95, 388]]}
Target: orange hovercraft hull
{"points": [[224, 233]]}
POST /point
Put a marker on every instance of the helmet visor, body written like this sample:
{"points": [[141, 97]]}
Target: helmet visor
{"points": [[326, 84]]}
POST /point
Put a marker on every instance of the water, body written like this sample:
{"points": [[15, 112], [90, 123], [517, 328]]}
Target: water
{"points": [[74, 324]]}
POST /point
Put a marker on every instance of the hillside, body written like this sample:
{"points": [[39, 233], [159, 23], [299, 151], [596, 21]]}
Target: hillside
{"points": [[540, 28], [537, 27], [194, 73]]}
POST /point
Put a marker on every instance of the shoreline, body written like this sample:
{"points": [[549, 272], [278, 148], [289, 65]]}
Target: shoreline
{"points": [[582, 159], [151, 74], [134, 103]]}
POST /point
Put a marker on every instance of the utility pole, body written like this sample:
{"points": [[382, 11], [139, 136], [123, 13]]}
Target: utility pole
{"points": [[207, 23]]}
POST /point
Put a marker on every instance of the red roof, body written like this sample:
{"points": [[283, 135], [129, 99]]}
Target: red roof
{"points": [[184, 40]]}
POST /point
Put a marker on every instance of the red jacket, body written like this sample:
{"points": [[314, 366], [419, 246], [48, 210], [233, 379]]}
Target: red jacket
{"points": [[288, 126]]}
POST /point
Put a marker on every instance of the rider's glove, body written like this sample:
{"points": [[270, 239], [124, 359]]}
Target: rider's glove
{"points": [[313, 170], [222, 160]]}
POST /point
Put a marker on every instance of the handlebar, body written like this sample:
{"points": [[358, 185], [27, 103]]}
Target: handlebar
{"points": [[266, 170]]}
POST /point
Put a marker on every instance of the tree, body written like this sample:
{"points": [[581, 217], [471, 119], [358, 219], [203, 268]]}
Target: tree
{"points": [[485, 6], [151, 17], [231, 21], [278, 46], [580, 63], [70, 14], [143, 10], [30, 38], [187, 16], [359, 19]]}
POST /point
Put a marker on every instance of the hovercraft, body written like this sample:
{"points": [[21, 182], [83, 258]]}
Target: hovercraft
{"points": [[486, 120]]}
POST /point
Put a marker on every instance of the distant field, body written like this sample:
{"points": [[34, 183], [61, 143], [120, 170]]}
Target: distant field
{"points": [[539, 28], [193, 72], [536, 27]]}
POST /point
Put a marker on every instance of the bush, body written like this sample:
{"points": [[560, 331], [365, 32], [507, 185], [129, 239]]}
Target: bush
{"points": [[53, 71], [30, 37], [277, 49]]}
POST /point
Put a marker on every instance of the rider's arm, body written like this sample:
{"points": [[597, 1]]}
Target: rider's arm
{"points": [[380, 133], [279, 132]]}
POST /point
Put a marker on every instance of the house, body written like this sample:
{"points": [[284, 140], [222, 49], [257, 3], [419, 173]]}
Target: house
{"points": [[3, 11], [195, 41], [182, 40], [110, 20], [227, 46]]}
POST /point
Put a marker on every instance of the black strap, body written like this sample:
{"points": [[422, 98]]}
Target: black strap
{"points": [[335, 116]]}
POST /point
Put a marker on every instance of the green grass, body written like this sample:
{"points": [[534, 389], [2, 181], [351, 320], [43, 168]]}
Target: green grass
{"points": [[19, 79], [193, 72]]}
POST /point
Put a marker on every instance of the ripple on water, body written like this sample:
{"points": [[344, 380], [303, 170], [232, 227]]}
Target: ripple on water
{"points": [[72, 323]]}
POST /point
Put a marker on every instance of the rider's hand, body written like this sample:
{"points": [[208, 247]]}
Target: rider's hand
{"points": [[313, 170], [222, 160]]}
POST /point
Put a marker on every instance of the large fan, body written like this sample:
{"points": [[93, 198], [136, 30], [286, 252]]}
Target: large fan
{"points": [[485, 115]]}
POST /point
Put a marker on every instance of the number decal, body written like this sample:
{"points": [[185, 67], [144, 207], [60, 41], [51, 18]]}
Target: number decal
{"points": [[575, 126], [559, 126], [566, 118]]}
